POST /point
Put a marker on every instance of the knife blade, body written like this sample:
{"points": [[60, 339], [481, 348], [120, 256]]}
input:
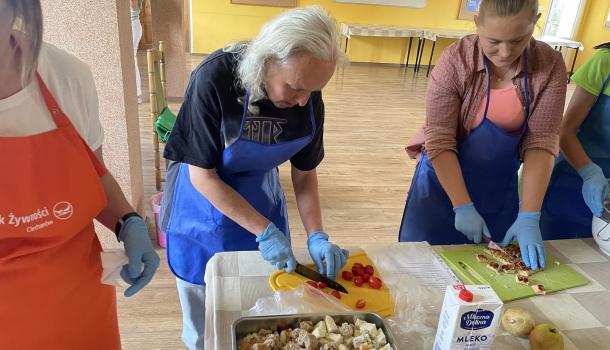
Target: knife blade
{"points": [[467, 271], [315, 276]]}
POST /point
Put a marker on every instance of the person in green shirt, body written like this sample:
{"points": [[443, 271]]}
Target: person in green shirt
{"points": [[579, 184], [136, 32]]}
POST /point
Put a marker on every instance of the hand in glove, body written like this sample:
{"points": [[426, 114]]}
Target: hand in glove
{"points": [[322, 250], [140, 251], [594, 187], [275, 248], [526, 230], [470, 223]]}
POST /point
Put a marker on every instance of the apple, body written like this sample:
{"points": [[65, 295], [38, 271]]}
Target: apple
{"points": [[518, 322], [546, 337]]}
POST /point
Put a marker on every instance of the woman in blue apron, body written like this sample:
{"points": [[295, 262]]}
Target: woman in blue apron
{"points": [[465, 187], [579, 182], [248, 109]]}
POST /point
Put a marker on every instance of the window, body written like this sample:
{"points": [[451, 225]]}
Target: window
{"points": [[564, 17]]}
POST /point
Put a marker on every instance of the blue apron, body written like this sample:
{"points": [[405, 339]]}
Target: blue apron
{"points": [[564, 211], [489, 159], [196, 230]]}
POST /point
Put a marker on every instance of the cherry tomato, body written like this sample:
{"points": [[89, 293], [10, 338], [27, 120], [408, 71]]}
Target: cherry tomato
{"points": [[358, 281], [336, 294], [357, 265], [361, 303], [347, 275], [375, 282], [366, 277], [369, 270], [358, 271], [312, 283], [321, 285]]}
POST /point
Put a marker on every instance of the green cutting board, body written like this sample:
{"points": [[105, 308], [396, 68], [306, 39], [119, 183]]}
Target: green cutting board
{"points": [[554, 277]]}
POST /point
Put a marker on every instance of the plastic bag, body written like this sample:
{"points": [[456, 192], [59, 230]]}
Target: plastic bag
{"points": [[112, 263], [413, 323], [416, 314], [303, 299]]}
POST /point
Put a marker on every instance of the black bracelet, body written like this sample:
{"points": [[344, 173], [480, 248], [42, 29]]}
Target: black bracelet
{"points": [[119, 224]]}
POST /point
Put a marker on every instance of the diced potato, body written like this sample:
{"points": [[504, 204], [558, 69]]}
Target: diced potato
{"points": [[360, 340], [331, 326], [320, 330], [368, 328], [343, 347], [380, 339], [347, 340], [386, 347], [335, 338]]}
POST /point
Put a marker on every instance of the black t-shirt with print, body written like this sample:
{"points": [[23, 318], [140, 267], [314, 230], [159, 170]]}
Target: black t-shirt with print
{"points": [[211, 115]]}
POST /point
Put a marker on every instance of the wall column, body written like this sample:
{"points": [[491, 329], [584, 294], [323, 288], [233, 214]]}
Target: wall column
{"points": [[99, 33]]}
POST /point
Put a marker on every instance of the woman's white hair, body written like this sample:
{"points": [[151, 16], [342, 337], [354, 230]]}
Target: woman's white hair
{"points": [[28, 21], [301, 30]]}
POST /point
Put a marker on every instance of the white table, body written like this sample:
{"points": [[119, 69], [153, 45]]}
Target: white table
{"points": [[236, 280], [433, 35], [376, 30], [559, 43]]}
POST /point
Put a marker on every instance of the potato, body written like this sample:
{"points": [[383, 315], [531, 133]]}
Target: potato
{"points": [[518, 322]]}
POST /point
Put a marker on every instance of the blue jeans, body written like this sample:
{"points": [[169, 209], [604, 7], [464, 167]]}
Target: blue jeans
{"points": [[192, 300]]}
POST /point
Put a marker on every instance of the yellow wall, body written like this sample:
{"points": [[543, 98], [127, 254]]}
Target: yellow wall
{"points": [[592, 30], [216, 22]]}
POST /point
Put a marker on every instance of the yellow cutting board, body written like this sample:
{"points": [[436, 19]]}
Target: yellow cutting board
{"points": [[377, 300]]}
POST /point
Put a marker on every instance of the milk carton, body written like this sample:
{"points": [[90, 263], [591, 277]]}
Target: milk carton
{"points": [[469, 318]]}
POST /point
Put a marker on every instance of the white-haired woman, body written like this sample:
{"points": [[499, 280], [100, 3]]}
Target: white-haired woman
{"points": [[53, 186], [248, 109]]}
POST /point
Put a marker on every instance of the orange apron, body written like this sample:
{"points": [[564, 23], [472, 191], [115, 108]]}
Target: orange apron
{"points": [[50, 267]]}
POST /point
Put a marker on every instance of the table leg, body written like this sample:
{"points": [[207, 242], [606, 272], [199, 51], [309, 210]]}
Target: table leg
{"points": [[421, 53], [573, 63], [430, 60], [417, 54], [409, 52]]}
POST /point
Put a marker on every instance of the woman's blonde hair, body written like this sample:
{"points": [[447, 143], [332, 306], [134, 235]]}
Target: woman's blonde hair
{"points": [[302, 30], [28, 20], [504, 8]]}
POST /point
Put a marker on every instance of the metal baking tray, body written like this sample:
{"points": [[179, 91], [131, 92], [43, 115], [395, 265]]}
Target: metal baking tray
{"points": [[252, 324]]}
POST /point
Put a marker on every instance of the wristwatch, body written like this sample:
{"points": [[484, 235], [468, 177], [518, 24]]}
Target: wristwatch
{"points": [[119, 224]]}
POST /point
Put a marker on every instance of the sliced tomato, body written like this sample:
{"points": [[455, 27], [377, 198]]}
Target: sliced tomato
{"points": [[347, 275], [312, 283], [358, 281], [321, 285], [336, 294], [369, 270], [375, 282], [361, 303]]}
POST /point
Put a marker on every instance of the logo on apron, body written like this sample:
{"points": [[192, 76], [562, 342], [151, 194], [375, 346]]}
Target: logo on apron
{"points": [[63, 210]]}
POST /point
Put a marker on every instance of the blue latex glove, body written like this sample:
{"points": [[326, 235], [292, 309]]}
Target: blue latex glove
{"points": [[470, 223], [275, 248], [526, 230], [139, 250], [594, 187], [322, 250]]}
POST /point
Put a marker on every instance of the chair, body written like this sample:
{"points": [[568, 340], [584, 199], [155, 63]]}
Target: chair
{"points": [[162, 117]]}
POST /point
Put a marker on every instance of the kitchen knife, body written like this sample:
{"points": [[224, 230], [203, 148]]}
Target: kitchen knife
{"points": [[468, 272], [315, 276]]}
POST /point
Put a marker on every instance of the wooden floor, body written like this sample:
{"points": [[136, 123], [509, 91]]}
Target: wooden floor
{"points": [[371, 112]]}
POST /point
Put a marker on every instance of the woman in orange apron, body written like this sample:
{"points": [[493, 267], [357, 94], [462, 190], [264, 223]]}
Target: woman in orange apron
{"points": [[51, 296]]}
